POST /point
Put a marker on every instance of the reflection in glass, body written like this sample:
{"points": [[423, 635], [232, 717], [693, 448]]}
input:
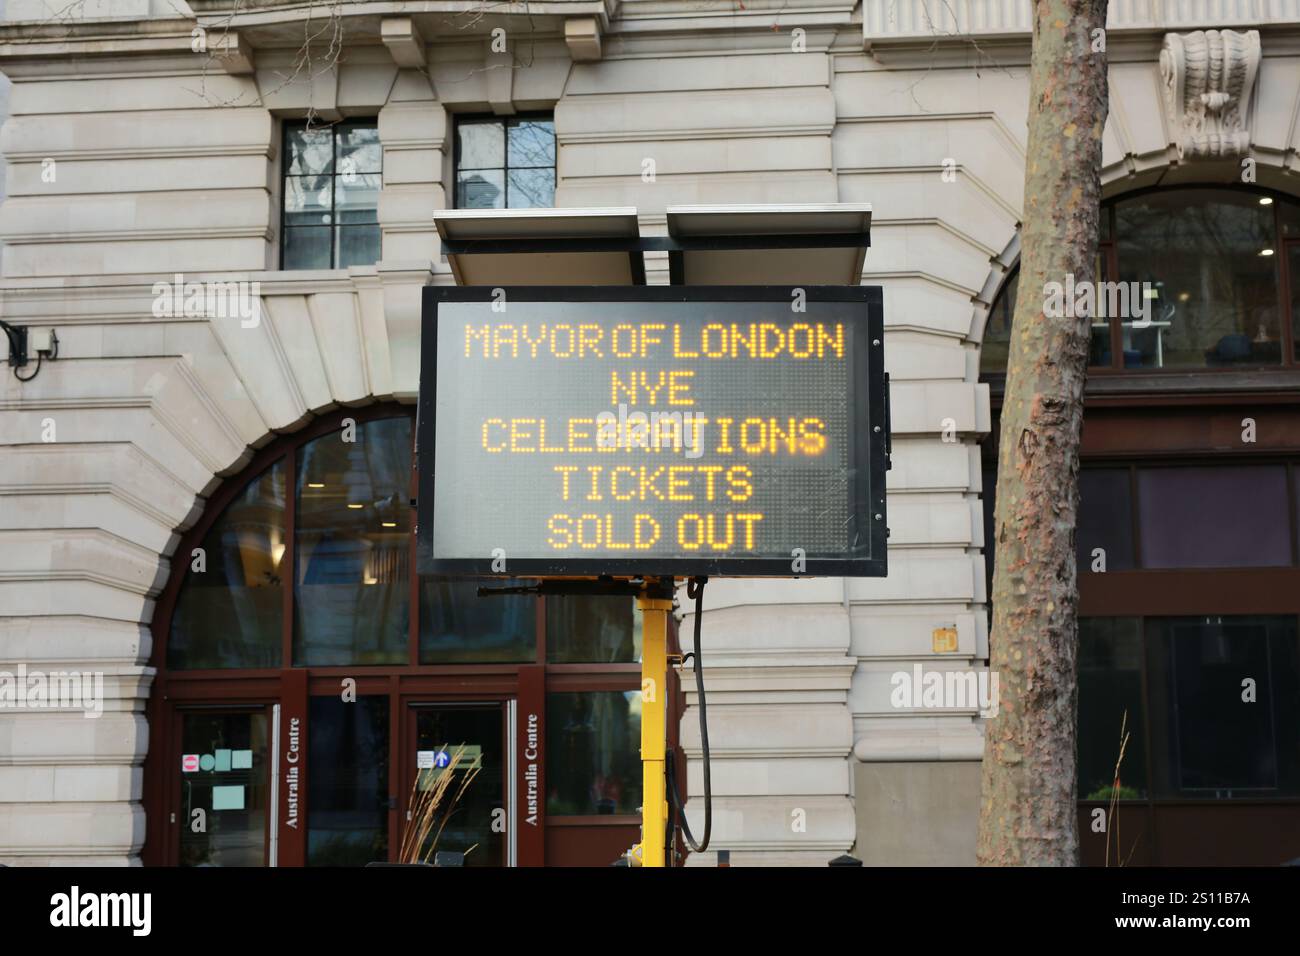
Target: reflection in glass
{"points": [[1211, 265], [532, 143], [307, 200], [592, 630], [347, 815], [531, 188], [481, 144], [994, 348], [224, 773], [1214, 517], [1099, 337], [466, 825], [1293, 263], [356, 198], [352, 546], [593, 746], [331, 196], [505, 163], [359, 149], [309, 151], [229, 613], [480, 189], [1110, 685], [1211, 741], [459, 627]]}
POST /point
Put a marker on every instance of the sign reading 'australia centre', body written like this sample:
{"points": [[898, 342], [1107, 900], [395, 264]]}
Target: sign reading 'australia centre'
{"points": [[652, 431]]}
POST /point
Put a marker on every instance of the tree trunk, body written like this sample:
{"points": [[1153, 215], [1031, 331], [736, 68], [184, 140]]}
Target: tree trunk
{"points": [[1028, 815]]}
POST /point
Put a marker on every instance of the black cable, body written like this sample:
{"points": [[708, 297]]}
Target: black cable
{"points": [[36, 372], [670, 836], [695, 590], [11, 334]]}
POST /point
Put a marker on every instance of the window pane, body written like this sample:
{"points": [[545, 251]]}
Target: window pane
{"points": [[459, 627], [1288, 214], [989, 484], [230, 786], [358, 246], [592, 630], [306, 248], [356, 198], [1099, 343], [593, 752], [1105, 520], [1215, 517], [467, 823], [1209, 739], [347, 816], [359, 149], [532, 143], [309, 151], [229, 614], [1110, 687], [352, 546], [1293, 264], [307, 200], [481, 145], [480, 189], [1209, 257], [531, 188], [997, 330]]}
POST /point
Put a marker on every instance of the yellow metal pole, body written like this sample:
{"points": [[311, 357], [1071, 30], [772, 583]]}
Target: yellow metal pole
{"points": [[654, 724]]}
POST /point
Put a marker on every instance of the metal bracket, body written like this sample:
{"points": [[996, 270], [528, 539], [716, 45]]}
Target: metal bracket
{"points": [[17, 335], [604, 585]]}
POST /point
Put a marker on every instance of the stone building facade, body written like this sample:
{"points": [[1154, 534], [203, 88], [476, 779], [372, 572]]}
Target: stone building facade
{"points": [[144, 140]]}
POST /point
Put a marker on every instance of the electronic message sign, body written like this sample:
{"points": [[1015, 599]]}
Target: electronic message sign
{"points": [[576, 431]]}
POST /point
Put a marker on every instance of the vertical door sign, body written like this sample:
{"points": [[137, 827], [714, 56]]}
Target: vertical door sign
{"points": [[532, 757], [530, 767], [189, 763], [291, 770], [292, 773]]}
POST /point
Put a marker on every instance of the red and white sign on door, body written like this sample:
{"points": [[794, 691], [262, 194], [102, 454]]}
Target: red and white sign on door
{"points": [[189, 763]]}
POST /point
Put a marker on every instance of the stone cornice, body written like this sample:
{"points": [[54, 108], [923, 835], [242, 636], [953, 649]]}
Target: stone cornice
{"points": [[996, 34], [953, 21], [652, 27]]}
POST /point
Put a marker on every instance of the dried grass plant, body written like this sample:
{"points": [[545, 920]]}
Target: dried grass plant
{"points": [[426, 808], [1112, 811]]}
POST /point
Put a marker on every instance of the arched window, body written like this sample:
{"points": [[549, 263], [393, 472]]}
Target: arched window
{"points": [[294, 607], [1190, 278]]}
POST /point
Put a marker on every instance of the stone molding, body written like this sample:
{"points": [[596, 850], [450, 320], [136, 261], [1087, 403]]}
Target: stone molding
{"points": [[1207, 77]]}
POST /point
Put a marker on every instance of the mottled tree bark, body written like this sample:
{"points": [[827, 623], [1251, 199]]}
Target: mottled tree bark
{"points": [[1027, 812]]}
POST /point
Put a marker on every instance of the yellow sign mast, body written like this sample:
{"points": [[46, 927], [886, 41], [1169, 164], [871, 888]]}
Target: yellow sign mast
{"points": [[655, 609]]}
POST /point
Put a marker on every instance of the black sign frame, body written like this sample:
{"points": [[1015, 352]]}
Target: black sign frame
{"points": [[871, 443]]}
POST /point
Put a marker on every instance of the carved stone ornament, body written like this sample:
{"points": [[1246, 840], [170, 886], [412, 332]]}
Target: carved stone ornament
{"points": [[1207, 78]]}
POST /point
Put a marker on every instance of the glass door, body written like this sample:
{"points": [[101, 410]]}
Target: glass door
{"points": [[223, 769], [456, 795]]}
